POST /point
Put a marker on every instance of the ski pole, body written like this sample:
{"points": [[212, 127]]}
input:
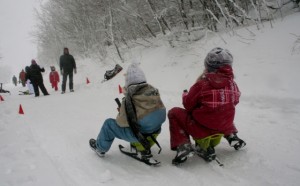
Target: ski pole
{"points": [[218, 161]]}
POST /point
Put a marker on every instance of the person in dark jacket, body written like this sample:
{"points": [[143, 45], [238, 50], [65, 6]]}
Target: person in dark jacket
{"points": [[209, 110], [34, 74], [28, 80], [67, 66], [15, 80]]}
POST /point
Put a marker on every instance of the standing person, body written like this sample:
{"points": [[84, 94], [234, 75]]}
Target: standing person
{"points": [[36, 78], [28, 81], [209, 110], [141, 115], [54, 78], [22, 77], [67, 66], [15, 80]]}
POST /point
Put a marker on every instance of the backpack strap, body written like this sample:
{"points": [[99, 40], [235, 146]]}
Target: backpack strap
{"points": [[156, 142], [152, 137]]}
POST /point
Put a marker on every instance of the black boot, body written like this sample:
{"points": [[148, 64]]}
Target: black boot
{"points": [[208, 154], [183, 152], [235, 142]]}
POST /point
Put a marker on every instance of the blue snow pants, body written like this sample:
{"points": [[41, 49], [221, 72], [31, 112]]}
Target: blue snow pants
{"points": [[111, 130]]}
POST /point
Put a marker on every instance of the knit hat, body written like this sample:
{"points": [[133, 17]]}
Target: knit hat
{"points": [[134, 75], [217, 58], [33, 62], [66, 50]]}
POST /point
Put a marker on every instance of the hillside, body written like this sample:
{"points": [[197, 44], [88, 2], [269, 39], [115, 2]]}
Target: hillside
{"points": [[48, 145]]}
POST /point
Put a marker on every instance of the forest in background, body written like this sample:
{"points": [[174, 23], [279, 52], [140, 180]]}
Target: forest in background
{"points": [[89, 28]]}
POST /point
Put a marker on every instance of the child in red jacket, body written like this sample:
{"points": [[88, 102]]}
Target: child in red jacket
{"points": [[209, 110], [54, 78]]}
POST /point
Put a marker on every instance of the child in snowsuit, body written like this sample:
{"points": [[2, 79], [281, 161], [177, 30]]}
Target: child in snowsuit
{"points": [[209, 110], [141, 114], [54, 78]]}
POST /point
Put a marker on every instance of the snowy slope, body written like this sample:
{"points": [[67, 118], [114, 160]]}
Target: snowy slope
{"points": [[48, 145]]}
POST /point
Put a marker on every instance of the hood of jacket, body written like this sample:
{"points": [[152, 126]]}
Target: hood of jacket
{"points": [[221, 77]]}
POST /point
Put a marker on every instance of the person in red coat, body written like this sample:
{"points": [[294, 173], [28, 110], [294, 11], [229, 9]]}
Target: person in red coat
{"points": [[209, 108], [54, 78], [22, 77]]}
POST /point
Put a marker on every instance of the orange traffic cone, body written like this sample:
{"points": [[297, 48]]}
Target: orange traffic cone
{"points": [[87, 81], [21, 110], [1, 98], [120, 89]]}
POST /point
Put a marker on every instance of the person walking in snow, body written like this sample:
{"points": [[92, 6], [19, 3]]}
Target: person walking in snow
{"points": [[54, 78], [28, 81], [140, 116], [35, 75], [209, 110], [15, 80], [22, 77], [67, 66]]}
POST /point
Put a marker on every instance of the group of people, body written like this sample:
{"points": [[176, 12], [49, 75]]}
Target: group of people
{"points": [[33, 75], [207, 115], [21, 78]]}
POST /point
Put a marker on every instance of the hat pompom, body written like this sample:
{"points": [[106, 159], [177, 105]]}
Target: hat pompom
{"points": [[217, 58], [134, 75]]}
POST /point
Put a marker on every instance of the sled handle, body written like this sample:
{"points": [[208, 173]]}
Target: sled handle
{"points": [[118, 102]]}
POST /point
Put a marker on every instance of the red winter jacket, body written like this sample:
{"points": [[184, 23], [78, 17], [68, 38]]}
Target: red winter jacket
{"points": [[22, 75], [211, 101], [54, 77]]}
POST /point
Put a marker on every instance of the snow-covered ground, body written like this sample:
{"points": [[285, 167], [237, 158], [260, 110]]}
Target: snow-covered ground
{"points": [[48, 145]]}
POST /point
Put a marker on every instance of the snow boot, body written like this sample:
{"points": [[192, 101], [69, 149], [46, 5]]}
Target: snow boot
{"points": [[94, 148], [183, 152], [208, 155], [235, 142]]}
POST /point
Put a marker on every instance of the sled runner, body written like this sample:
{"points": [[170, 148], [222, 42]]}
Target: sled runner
{"points": [[2, 90], [148, 160], [25, 92]]}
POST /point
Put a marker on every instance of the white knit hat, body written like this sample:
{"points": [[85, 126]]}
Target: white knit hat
{"points": [[134, 75]]}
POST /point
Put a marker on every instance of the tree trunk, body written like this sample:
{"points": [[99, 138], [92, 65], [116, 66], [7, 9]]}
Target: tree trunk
{"points": [[182, 13], [112, 34], [146, 25], [156, 16], [193, 17]]}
